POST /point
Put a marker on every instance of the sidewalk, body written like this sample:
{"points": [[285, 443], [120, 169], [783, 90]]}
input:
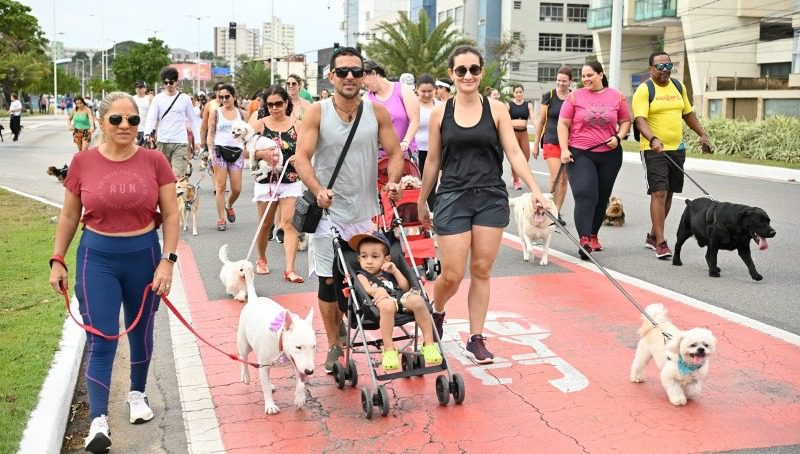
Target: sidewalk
{"points": [[731, 168]]}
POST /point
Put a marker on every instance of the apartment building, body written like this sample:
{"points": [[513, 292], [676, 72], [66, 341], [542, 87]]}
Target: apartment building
{"points": [[734, 56], [247, 43], [278, 39], [362, 18]]}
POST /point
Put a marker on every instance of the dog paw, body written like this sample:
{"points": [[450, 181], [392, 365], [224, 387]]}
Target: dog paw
{"points": [[270, 408], [757, 277], [300, 399], [676, 261], [678, 401], [245, 377], [637, 379], [543, 262], [194, 233], [714, 272], [526, 260], [185, 228]]}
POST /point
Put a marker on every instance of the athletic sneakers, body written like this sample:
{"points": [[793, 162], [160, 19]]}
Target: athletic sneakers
{"points": [[650, 241], [230, 214], [586, 247], [99, 439], [221, 225], [438, 323], [334, 354], [663, 251], [477, 348], [140, 409], [279, 235], [595, 243]]}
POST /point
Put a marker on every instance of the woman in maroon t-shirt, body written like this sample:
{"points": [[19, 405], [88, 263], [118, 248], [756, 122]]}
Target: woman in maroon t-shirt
{"points": [[125, 193]]}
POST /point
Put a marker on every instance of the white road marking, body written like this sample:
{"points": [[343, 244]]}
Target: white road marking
{"points": [[770, 330]]}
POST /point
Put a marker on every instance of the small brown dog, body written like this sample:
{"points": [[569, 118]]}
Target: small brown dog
{"points": [[188, 203], [615, 212], [60, 174]]}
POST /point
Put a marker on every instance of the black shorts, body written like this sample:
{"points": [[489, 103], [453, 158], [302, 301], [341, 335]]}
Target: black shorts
{"points": [[662, 175], [457, 211]]}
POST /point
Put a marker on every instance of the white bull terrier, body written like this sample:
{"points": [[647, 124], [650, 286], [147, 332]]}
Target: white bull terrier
{"points": [[276, 336]]}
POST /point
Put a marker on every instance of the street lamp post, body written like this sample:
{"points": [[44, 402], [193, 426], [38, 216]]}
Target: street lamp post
{"points": [[53, 50], [199, 38]]}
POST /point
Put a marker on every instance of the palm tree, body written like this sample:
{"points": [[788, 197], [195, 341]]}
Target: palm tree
{"points": [[409, 47], [252, 77]]}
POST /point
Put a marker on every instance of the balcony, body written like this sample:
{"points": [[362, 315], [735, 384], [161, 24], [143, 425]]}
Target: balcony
{"points": [[599, 18], [649, 10]]}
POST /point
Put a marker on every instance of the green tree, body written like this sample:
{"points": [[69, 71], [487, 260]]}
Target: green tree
{"points": [[97, 85], [67, 83], [22, 49], [140, 62], [252, 77], [410, 47], [206, 55]]}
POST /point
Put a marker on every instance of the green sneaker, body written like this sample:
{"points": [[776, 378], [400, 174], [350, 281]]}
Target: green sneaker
{"points": [[432, 355], [334, 354]]}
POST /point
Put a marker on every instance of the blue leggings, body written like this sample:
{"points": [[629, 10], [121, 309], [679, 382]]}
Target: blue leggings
{"points": [[113, 271], [592, 176]]}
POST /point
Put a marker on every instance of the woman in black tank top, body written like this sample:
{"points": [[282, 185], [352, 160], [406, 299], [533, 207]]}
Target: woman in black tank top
{"points": [[521, 112], [467, 138]]}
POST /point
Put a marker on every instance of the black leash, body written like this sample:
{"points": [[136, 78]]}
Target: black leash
{"points": [[558, 177], [606, 273], [689, 177]]}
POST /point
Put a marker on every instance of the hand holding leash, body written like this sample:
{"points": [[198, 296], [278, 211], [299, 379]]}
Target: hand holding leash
{"points": [[59, 276], [424, 214], [325, 198], [566, 156], [705, 145], [394, 190]]}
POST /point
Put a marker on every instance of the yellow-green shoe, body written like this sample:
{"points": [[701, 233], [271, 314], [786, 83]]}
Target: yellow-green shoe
{"points": [[391, 360], [432, 355]]}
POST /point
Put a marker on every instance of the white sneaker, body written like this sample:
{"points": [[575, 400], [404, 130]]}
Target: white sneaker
{"points": [[140, 410], [99, 439]]}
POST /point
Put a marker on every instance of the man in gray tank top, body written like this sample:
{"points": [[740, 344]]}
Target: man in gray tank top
{"points": [[353, 201]]}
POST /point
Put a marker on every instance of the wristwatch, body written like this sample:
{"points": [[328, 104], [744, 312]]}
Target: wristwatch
{"points": [[171, 256]]}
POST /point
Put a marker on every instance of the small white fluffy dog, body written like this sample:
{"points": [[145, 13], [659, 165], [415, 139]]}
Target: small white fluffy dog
{"points": [[410, 182], [683, 361], [533, 224], [276, 336], [233, 274], [252, 142]]}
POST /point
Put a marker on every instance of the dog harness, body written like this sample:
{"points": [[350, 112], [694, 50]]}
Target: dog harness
{"points": [[687, 369]]}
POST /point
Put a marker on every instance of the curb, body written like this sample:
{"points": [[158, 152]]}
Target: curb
{"points": [[44, 431]]}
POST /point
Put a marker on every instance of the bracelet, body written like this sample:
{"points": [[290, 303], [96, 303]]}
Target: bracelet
{"points": [[654, 138], [59, 259], [619, 139]]}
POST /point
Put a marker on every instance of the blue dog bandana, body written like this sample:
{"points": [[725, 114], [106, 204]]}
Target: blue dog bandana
{"points": [[686, 369]]}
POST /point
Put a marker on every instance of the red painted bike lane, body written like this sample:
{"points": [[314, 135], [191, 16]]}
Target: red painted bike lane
{"points": [[563, 342]]}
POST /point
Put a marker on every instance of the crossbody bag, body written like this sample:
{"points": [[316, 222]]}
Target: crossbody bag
{"points": [[153, 137]]}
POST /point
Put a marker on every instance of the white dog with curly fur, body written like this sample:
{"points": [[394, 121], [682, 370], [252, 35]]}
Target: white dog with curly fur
{"points": [[253, 142], [683, 360]]}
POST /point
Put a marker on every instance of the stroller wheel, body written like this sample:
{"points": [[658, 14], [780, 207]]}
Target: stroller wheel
{"points": [[366, 403], [383, 400], [352, 373], [338, 374], [418, 362], [443, 389], [459, 392]]}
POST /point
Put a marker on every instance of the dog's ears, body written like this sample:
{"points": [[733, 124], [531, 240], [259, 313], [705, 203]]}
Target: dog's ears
{"points": [[288, 321], [310, 315]]}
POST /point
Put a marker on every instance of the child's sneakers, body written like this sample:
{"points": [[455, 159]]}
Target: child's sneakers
{"points": [[432, 355], [391, 360]]}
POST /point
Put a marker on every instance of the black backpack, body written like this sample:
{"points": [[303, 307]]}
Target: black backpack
{"points": [[651, 92]]}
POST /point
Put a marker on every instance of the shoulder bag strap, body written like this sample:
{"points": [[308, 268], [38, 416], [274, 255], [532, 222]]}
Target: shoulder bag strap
{"points": [[347, 144], [170, 106]]}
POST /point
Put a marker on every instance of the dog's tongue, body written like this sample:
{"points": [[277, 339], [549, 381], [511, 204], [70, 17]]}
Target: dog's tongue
{"points": [[538, 216], [762, 243]]}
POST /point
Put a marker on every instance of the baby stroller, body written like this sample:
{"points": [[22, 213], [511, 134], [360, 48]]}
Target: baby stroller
{"points": [[417, 240], [362, 315]]}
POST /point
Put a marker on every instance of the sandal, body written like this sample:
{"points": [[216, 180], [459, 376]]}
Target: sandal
{"points": [[432, 355], [391, 361], [261, 267], [221, 225], [297, 279]]}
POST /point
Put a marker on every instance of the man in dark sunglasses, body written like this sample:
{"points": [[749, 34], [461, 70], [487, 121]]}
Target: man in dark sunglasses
{"points": [[660, 106], [166, 120], [352, 200]]}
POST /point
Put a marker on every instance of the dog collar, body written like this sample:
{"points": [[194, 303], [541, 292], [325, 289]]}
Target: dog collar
{"points": [[684, 368]]}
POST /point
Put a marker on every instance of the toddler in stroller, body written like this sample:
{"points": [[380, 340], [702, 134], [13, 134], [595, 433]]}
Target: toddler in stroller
{"points": [[391, 293]]}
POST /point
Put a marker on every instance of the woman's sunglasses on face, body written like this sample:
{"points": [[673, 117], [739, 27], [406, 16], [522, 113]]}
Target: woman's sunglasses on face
{"points": [[663, 66], [116, 120], [343, 71], [461, 71], [223, 97], [291, 84], [275, 105]]}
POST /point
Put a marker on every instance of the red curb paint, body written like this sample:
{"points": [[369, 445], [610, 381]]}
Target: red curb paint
{"points": [[564, 343]]}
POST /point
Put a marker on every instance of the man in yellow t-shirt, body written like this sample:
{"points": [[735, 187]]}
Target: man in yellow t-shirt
{"points": [[661, 133]]}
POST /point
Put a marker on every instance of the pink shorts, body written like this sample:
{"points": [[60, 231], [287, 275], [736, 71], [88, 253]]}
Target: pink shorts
{"points": [[551, 150]]}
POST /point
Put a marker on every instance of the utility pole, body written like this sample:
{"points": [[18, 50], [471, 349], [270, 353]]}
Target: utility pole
{"points": [[615, 57], [199, 38], [55, 65]]}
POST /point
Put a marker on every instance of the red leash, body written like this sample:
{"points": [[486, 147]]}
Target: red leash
{"points": [[97, 332]]}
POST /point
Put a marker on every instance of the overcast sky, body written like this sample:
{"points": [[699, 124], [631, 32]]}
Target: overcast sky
{"points": [[316, 21]]}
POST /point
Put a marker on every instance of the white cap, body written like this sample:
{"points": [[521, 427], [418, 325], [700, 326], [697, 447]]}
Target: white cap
{"points": [[439, 83], [407, 78], [201, 93]]}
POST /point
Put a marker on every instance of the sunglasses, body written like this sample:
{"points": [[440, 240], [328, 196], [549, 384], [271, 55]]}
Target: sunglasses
{"points": [[169, 82], [291, 84], [116, 120], [663, 66], [275, 105], [224, 97], [342, 72], [461, 71]]}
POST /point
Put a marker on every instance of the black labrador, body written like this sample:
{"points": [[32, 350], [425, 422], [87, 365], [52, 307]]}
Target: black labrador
{"points": [[722, 225]]}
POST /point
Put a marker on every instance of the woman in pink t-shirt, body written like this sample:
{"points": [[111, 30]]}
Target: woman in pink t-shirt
{"points": [[591, 125], [121, 193]]}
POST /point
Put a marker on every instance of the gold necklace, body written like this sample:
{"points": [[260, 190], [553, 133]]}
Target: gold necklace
{"points": [[349, 114]]}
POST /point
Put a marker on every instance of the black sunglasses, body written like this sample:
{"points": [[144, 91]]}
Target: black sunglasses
{"points": [[275, 105], [663, 66], [461, 71], [169, 82], [224, 97], [116, 120], [344, 70], [291, 84]]}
